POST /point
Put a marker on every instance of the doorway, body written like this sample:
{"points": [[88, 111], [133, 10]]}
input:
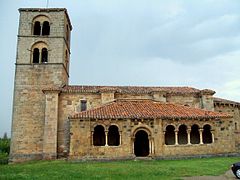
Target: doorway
{"points": [[141, 144]]}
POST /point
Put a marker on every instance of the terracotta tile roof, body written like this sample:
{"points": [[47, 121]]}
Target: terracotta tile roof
{"points": [[145, 109], [129, 89], [225, 101]]}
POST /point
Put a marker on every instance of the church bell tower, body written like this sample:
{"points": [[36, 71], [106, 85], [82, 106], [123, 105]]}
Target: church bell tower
{"points": [[42, 62]]}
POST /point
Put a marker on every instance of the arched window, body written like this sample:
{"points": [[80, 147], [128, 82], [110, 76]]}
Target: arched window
{"points": [[182, 134], [99, 136], [36, 55], [41, 25], [45, 28], [113, 136], [37, 28], [39, 53], [44, 55], [170, 135], [207, 135], [194, 135]]}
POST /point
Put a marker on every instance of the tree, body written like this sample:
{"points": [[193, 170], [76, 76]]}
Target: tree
{"points": [[5, 136]]}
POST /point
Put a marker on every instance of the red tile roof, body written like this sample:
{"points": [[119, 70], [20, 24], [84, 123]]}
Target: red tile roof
{"points": [[129, 89], [145, 109]]}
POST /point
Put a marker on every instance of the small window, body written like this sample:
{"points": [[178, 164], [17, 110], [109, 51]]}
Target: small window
{"points": [[36, 55], [83, 105], [37, 28], [46, 28]]}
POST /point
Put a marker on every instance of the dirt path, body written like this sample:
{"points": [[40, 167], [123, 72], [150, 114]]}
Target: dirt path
{"points": [[227, 176]]}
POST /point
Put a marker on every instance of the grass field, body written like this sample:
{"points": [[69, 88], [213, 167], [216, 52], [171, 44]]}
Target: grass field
{"points": [[155, 169]]}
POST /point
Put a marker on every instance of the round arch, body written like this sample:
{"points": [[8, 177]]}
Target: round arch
{"points": [[98, 124], [141, 127], [41, 18], [165, 127]]}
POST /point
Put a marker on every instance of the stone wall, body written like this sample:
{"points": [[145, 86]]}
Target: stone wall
{"points": [[222, 132], [235, 112], [69, 104], [82, 133]]}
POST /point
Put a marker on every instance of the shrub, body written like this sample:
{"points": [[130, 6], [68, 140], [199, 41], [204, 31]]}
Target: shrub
{"points": [[3, 158], [4, 145], [4, 149]]}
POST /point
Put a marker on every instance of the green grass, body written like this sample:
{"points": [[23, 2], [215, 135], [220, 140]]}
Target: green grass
{"points": [[155, 169]]}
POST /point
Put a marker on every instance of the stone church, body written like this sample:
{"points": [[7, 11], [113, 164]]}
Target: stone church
{"points": [[52, 119]]}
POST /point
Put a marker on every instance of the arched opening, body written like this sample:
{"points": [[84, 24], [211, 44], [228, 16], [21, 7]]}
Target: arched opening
{"points": [[141, 144], [99, 136], [46, 28], [113, 136], [194, 135], [35, 55], [44, 55], [182, 134], [170, 135], [207, 135], [37, 28]]}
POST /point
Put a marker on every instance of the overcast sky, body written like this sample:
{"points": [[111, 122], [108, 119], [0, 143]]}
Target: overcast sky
{"points": [[138, 42]]}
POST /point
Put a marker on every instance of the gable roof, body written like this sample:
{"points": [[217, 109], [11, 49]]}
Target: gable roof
{"points": [[129, 89], [145, 109]]}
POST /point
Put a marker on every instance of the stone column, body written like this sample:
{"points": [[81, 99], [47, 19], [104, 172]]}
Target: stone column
{"points": [[120, 138], [92, 137], [201, 135], [188, 135], [212, 136], [50, 126], [106, 138], [164, 142], [176, 137], [132, 141], [150, 145]]}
